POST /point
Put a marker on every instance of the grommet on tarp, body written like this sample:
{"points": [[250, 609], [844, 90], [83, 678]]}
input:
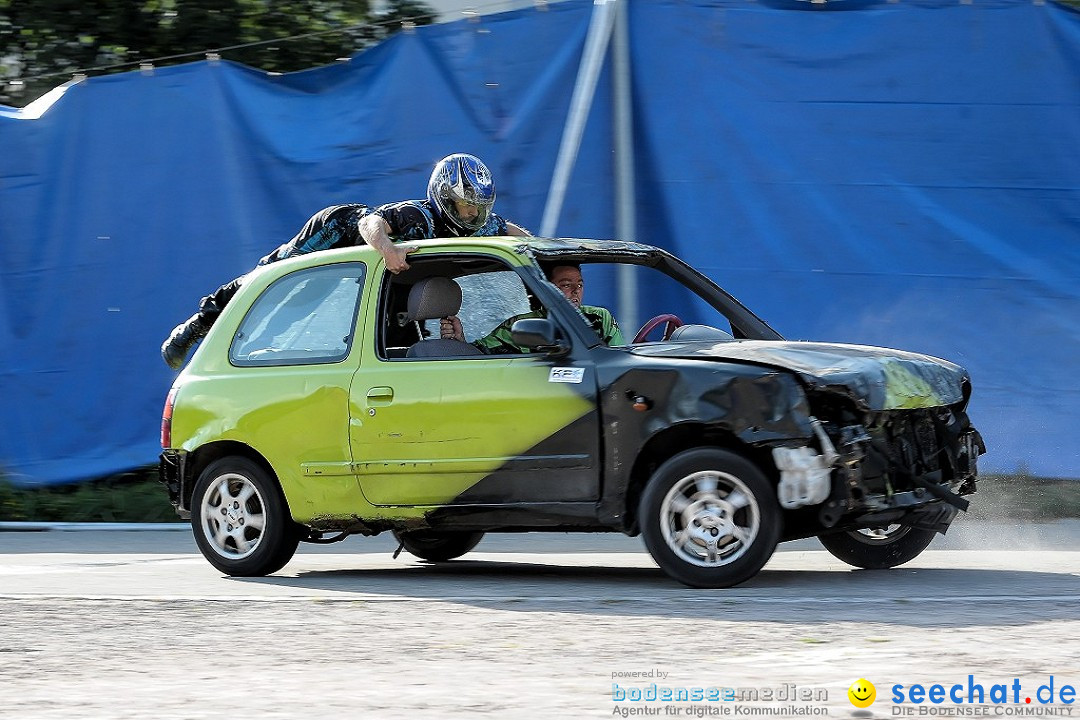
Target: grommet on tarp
{"points": [[212, 57], [146, 68]]}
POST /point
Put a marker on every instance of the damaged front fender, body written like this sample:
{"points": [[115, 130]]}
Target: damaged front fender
{"points": [[753, 406]]}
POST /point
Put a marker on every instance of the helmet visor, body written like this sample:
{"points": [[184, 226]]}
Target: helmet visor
{"points": [[471, 215]]}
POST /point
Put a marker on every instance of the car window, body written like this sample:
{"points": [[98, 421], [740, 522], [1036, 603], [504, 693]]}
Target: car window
{"points": [[658, 295], [303, 318], [491, 293], [488, 299]]}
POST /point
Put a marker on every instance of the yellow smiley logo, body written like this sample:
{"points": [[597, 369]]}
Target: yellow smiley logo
{"points": [[862, 693]]}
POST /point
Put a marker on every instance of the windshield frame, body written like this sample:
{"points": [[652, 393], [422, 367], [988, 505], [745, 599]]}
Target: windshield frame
{"points": [[745, 324]]}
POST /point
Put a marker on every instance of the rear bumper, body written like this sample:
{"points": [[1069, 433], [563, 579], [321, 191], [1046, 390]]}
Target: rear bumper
{"points": [[171, 474]]}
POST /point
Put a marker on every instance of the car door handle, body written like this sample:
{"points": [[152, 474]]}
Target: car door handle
{"points": [[380, 395]]}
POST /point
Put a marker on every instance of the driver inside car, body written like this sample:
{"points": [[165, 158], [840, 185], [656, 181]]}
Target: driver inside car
{"points": [[567, 277]]}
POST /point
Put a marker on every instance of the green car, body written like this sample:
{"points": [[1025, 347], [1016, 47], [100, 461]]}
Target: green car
{"points": [[325, 403]]}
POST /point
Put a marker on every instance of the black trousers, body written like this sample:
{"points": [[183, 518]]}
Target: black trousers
{"points": [[332, 227], [212, 305]]}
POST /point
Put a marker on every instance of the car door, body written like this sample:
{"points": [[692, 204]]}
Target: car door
{"points": [[485, 429]]}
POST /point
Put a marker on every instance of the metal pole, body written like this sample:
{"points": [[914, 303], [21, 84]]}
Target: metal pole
{"points": [[592, 58], [625, 206]]}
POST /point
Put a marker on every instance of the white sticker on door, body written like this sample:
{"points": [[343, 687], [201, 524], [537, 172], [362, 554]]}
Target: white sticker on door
{"points": [[566, 375]]}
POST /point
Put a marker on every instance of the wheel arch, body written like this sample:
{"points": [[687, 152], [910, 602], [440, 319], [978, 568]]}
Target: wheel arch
{"points": [[201, 458], [676, 439]]}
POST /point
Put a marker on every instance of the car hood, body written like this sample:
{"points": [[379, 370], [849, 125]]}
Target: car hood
{"points": [[876, 378]]}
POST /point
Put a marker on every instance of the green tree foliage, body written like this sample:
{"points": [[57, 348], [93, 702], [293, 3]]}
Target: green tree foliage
{"points": [[55, 38], [129, 497]]}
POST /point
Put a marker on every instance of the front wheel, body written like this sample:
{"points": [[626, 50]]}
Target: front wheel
{"points": [[877, 549], [709, 518], [240, 520], [436, 545]]}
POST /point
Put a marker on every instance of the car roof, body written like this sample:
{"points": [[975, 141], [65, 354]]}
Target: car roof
{"points": [[576, 249], [542, 250]]}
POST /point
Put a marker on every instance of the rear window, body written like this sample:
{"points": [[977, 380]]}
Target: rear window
{"points": [[304, 318]]}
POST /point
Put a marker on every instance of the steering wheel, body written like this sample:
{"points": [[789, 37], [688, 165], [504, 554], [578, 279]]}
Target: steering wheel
{"points": [[670, 322]]}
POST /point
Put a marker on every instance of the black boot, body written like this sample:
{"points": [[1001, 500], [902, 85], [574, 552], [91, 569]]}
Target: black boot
{"points": [[180, 340]]}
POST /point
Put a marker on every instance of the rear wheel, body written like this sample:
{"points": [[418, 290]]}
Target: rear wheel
{"points": [[709, 518], [240, 520], [878, 548], [437, 545]]}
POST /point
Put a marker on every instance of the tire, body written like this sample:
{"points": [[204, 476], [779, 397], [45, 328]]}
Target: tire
{"points": [[710, 518], [878, 549], [240, 520], [438, 546]]}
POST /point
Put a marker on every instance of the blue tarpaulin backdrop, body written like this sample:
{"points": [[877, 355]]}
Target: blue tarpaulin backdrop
{"points": [[897, 173]]}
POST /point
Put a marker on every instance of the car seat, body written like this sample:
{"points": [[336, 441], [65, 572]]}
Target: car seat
{"points": [[431, 299]]}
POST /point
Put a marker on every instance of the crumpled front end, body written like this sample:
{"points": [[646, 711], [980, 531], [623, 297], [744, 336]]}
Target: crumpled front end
{"points": [[886, 434], [870, 469]]}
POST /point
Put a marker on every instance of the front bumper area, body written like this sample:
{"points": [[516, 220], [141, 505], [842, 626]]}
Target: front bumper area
{"points": [[911, 467]]}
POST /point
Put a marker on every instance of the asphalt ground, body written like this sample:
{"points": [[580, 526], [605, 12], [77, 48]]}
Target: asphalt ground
{"points": [[135, 624]]}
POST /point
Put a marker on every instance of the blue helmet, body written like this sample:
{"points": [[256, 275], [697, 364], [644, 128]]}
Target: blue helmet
{"points": [[461, 178]]}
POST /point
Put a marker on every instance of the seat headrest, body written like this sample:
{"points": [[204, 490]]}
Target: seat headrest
{"points": [[434, 297]]}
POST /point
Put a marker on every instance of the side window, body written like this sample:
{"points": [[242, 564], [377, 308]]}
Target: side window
{"points": [[488, 299], [304, 318], [666, 295], [491, 293]]}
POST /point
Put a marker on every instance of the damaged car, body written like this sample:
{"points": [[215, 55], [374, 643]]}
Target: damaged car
{"points": [[324, 404]]}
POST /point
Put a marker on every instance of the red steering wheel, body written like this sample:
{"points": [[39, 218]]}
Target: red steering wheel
{"points": [[670, 322]]}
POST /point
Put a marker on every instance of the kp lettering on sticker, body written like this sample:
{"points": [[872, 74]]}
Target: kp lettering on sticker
{"points": [[566, 375]]}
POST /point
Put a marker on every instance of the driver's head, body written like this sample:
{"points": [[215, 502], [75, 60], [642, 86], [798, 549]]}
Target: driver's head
{"points": [[567, 277]]}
